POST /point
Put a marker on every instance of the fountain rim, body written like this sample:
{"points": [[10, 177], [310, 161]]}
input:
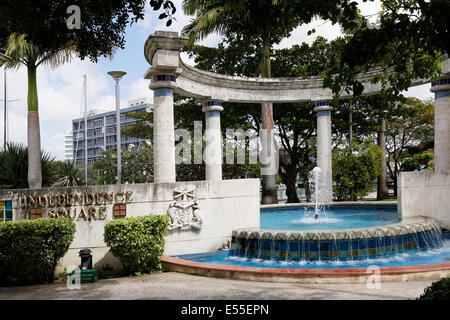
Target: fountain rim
{"points": [[389, 204], [171, 262], [408, 225]]}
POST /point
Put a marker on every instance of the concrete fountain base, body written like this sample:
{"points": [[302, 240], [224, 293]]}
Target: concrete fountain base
{"points": [[412, 228], [411, 232], [351, 275]]}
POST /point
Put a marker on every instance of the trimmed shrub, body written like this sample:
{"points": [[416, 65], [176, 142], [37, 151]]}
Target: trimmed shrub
{"points": [[137, 241], [30, 249], [439, 290]]}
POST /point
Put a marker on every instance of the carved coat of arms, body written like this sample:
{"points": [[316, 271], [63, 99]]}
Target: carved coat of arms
{"points": [[184, 211]]}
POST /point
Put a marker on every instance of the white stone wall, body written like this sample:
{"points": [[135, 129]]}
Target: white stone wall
{"points": [[224, 206], [425, 193]]}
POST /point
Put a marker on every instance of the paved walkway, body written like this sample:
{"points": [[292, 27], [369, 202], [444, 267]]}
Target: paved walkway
{"points": [[171, 285]]}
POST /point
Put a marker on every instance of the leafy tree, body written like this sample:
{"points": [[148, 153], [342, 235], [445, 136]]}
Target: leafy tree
{"points": [[102, 27], [368, 117], [355, 171], [408, 133], [137, 166], [407, 43], [14, 167]]}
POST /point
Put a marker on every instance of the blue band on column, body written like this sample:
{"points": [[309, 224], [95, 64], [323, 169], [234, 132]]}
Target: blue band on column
{"points": [[322, 113], [162, 77], [441, 94], [163, 92], [212, 103], [210, 114], [440, 82], [322, 103]]}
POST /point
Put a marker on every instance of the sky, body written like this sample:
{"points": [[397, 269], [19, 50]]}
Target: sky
{"points": [[60, 91]]}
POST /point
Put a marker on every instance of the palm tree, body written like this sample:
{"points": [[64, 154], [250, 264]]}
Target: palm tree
{"points": [[69, 174], [23, 52], [14, 167], [268, 21]]}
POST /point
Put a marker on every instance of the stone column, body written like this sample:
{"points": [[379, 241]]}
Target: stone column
{"points": [[441, 89], [162, 51], [323, 110], [163, 128], [213, 139]]}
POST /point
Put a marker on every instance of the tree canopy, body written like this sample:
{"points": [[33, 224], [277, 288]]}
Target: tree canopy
{"points": [[101, 30], [408, 42]]}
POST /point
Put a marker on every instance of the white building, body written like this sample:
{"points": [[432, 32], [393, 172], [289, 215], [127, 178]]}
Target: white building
{"points": [[68, 145], [101, 131]]}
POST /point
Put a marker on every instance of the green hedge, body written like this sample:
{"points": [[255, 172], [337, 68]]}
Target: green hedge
{"points": [[439, 290], [137, 241], [30, 249]]}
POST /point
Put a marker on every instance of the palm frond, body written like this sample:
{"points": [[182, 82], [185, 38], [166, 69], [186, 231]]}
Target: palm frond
{"points": [[57, 58], [191, 7], [203, 25], [20, 50]]}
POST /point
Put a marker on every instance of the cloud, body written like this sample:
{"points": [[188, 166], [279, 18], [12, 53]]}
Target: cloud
{"points": [[139, 89]]}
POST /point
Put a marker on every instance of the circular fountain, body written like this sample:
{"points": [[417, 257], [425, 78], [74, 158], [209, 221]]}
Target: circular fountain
{"points": [[328, 243]]}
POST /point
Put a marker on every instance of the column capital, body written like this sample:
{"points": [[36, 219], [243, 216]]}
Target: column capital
{"points": [[322, 106], [163, 41], [212, 106], [162, 51], [163, 81], [440, 85]]}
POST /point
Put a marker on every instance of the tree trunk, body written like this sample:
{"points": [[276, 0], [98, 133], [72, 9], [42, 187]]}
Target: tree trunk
{"points": [[395, 187], [269, 186], [34, 135], [304, 179], [382, 189], [291, 181]]}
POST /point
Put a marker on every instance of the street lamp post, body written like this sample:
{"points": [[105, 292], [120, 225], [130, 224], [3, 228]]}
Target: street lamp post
{"points": [[117, 75]]}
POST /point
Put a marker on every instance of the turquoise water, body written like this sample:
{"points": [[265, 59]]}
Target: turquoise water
{"points": [[411, 258], [332, 218]]}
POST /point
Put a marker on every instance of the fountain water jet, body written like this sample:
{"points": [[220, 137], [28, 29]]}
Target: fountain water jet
{"points": [[314, 182]]}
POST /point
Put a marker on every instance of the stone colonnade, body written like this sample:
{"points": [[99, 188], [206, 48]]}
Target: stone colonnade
{"points": [[162, 51]]}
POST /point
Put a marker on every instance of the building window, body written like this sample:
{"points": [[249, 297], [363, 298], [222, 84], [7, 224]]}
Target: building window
{"points": [[111, 130], [111, 120]]}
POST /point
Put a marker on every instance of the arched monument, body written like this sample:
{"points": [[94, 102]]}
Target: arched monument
{"points": [[168, 71]]}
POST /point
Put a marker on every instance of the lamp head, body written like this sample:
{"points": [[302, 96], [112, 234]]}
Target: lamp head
{"points": [[117, 75]]}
